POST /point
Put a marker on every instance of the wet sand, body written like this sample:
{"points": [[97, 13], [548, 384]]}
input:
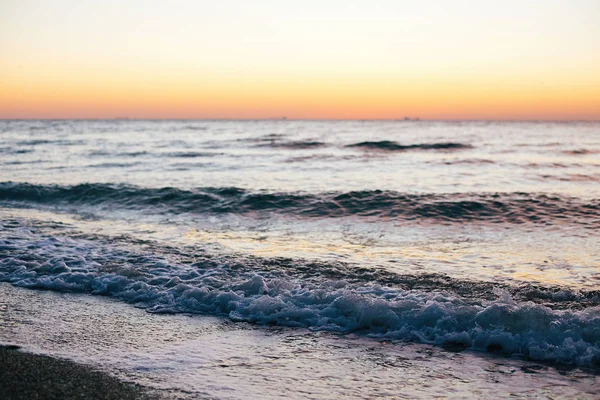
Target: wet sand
{"points": [[32, 376]]}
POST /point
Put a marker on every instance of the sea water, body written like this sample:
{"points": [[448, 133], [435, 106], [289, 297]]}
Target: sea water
{"points": [[331, 258]]}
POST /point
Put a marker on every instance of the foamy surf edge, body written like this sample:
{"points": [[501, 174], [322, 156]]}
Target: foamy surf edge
{"points": [[504, 325]]}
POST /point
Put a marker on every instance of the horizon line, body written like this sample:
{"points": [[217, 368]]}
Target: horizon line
{"points": [[284, 119]]}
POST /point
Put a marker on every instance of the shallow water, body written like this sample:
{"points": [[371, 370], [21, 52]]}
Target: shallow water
{"points": [[186, 356], [477, 236]]}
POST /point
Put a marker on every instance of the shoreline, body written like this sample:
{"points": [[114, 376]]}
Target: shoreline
{"points": [[32, 376], [192, 356]]}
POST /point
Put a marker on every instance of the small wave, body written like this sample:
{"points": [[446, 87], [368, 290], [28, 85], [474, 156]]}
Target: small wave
{"points": [[58, 142], [581, 152], [270, 136], [104, 153], [191, 154], [132, 154], [22, 162], [192, 128], [388, 145], [242, 290], [469, 161], [12, 150], [551, 165], [294, 145], [34, 142], [573, 177], [316, 157], [513, 208], [275, 140], [189, 166], [113, 165]]}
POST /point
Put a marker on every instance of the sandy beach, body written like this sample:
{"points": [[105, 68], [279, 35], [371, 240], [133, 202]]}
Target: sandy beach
{"points": [[32, 376]]}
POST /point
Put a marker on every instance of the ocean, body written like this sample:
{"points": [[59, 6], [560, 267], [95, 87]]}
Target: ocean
{"points": [[307, 259]]}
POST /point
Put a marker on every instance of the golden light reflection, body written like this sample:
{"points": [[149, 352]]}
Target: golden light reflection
{"points": [[502, 261], [461, 260]]}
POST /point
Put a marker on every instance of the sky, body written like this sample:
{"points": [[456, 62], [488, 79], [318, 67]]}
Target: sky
{"points": [[326, 59]]}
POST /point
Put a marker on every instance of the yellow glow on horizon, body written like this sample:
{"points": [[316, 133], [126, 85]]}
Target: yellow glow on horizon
{"points": [[319, 99], [198, 59]]}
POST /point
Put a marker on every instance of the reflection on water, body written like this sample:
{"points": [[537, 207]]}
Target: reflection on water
{"points": [[478, 236], [485, 253], [232, 153]]}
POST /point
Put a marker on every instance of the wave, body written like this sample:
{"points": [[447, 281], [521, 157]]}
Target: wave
{"points": [[19, 162], [113, 165], [388, 145], [572, 177], [514, 208], [191, 154], [246, 289], [294, 145], [299, 145], [118, 154], [277, 140], [468, 161], [58, 142], [192, 128], [173, 154], [34, 142], [11, 150], [581, 152]]}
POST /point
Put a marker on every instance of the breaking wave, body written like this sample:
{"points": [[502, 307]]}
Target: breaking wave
{"points": [[513, 208], [246, 289]]}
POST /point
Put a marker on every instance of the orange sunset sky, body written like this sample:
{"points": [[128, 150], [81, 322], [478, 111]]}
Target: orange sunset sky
{"points": [[535, 59]]}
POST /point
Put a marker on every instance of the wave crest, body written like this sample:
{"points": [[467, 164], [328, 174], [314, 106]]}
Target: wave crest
{"points": [[389, 145], [514, 208]]}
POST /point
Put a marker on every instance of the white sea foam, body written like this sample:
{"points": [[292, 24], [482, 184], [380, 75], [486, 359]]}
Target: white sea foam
{"points": [[220, 287]]}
